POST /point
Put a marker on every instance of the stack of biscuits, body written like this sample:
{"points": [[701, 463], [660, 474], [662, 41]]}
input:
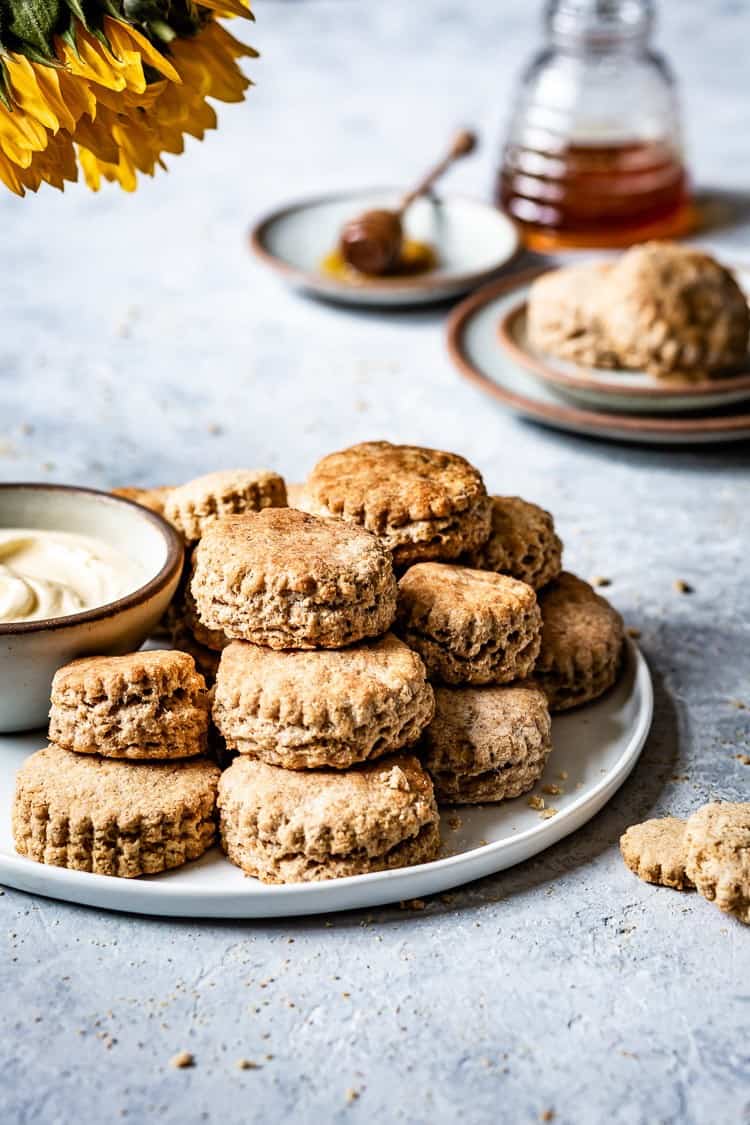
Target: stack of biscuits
{"points": [[394, 641], [125, 787]]}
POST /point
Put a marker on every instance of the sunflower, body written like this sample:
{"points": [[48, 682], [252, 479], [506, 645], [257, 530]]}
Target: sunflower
{"points": [[110, 86]]}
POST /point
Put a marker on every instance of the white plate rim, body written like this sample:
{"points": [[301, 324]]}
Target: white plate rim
{"points": [[376, 291], [154, 896]]}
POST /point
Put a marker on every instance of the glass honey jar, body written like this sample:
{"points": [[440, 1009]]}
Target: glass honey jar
{"points": [[593, 156]]}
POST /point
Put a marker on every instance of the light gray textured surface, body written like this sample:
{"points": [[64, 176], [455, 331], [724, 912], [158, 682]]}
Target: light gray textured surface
{"points": [[139, 343]]}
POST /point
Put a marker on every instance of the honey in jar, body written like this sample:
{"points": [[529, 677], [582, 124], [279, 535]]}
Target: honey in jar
{"points": [[593, 156]]}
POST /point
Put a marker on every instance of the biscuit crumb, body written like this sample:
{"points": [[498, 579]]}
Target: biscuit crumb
{"points": [[547, 1115], [600, 580], [738, 704], [397, 779], [247, 1064], [535, 802], [412, 904], [552, 790], [563, 775], [682, 587], [547, 813], [351, 1095], [454, 821], [182, 1060], [632, 632], [744, 758]]}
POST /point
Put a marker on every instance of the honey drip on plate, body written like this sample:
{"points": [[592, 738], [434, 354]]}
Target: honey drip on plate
{"points": [[416, 258]]}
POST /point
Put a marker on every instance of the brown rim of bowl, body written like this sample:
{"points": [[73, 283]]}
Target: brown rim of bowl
{"points": [[567, 415], [172, 563], [385, 285], [546, 370]]}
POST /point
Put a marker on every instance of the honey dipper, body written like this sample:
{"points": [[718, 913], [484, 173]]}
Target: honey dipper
{"points": [[372, 242]]}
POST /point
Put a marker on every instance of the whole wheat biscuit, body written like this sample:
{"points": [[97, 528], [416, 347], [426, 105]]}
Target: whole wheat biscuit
{"points": [[328, 708], [566, 316], [522, 544], [582, 643], [469, 626], [656, 852], [141, 705], [206, 659], [113, 818], [718, 855], [152, 498], [488, 743], [422, 503], [197, 505], [285, 579], [673, 310], [214, 639], [284, 826]]}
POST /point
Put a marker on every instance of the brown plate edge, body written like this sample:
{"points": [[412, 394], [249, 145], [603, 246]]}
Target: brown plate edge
{"points": [[546, 371], [564, 415]]}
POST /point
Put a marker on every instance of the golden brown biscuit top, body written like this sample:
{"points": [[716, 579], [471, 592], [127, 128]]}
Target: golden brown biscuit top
{"points": [[152, 498], [116, 677], [382, 485], [285, 548], [358, 676], [80, 785], [484, 727], [723, 827], [574, 615], [322, 813], [459, 590]]}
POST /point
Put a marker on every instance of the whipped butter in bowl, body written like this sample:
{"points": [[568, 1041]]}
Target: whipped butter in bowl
{"points": [[81, 573], [46, 574]]}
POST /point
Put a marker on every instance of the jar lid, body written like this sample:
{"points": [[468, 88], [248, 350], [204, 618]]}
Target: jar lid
{"points": [[599, 23]]}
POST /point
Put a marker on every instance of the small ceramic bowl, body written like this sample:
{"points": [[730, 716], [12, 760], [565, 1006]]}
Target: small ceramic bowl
{"points": [[473, 240], [31, 652]]}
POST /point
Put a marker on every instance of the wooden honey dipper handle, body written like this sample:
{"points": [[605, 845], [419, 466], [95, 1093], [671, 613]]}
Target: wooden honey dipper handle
{"points": [[372, 242], [464, 142]]}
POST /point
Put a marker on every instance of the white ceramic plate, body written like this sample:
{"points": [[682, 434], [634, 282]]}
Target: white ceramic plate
{"points": [[633, 392], [476, 350], [597, 746], [472, 239]]}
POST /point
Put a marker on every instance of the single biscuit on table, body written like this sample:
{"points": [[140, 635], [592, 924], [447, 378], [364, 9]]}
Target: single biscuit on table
{"points": [[142, 705], [423, 503], [469, 626], [566, 316], [718, 855], [522, 544], [152, 498], [284, 826], [197, 505], [330, 708], [582, 643], [656, 851], [488, 743], [672, 310], [285, 579], [110, 817]]}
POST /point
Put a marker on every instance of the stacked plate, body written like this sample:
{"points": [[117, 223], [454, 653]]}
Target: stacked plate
{"points": [[488, 341]]}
